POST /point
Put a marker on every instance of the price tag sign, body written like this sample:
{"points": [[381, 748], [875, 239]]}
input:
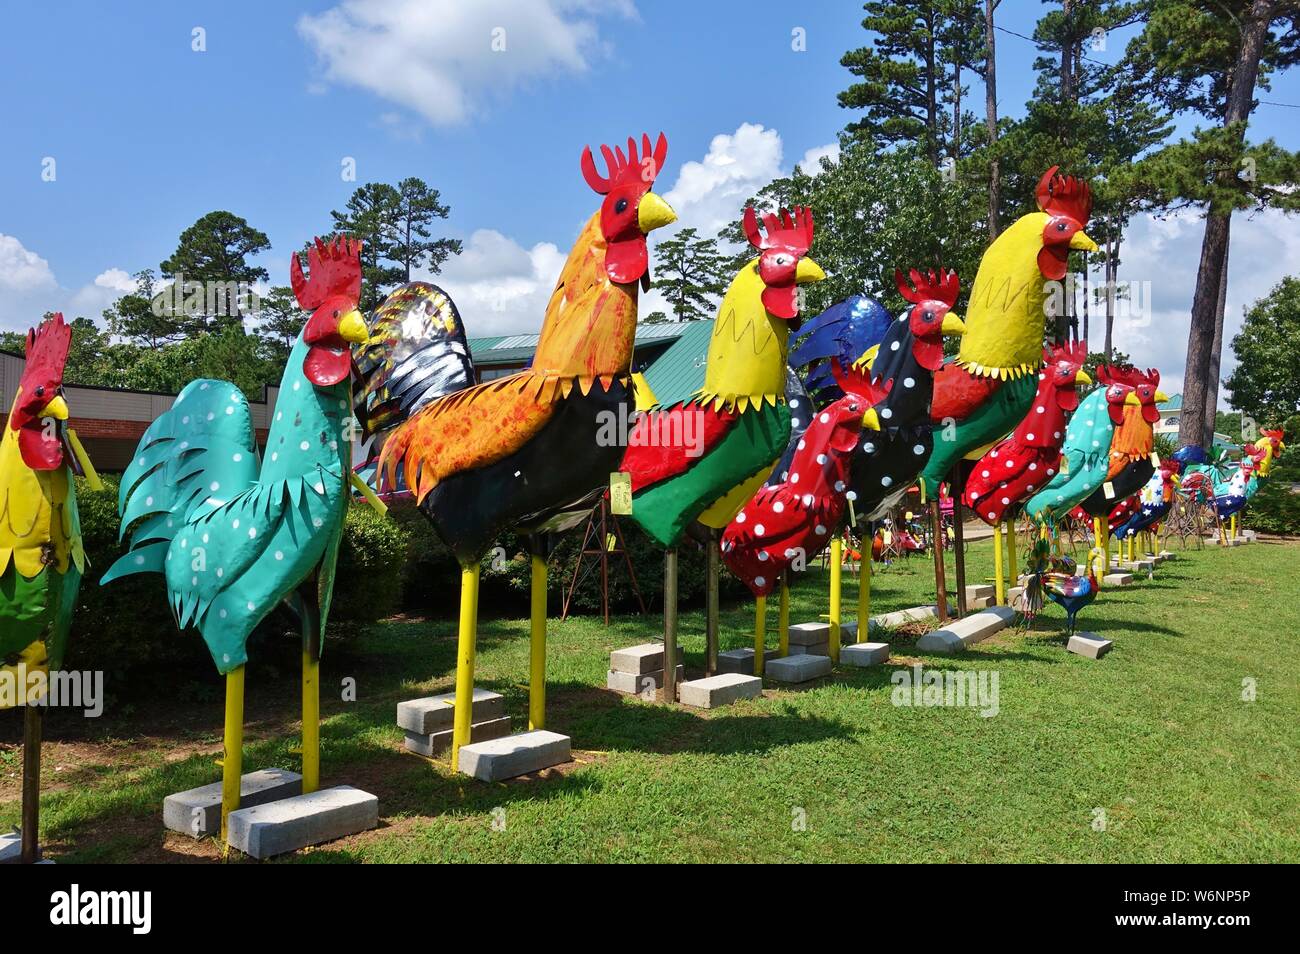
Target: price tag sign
{"points": [[1109, 490], [1064, 466], [620, 493], [1155, 459]]}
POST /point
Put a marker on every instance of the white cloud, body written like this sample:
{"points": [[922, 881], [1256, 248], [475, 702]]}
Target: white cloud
{"points": [[115, 279], [709, 193], [499, 286], [21, 270], [443, 59], [1166, 253]]}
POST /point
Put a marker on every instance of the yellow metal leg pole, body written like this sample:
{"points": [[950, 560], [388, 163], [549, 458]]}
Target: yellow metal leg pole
{"points": [[760, 633], [1234, 526], [783, 616], [1012, 572], [232, 757], [837, 565], [310, 718], [864, 593], [999, 594], [537, 647], [465, 662]]}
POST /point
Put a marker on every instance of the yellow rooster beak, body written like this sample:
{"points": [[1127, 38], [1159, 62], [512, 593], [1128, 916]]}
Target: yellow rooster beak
{"points": [[871, 420], [807, 271], [1081, 377], [1133, 399], [1081, 243], [352, 328], [654, 213], [1161, 397], [952, 325], [57, 409]]}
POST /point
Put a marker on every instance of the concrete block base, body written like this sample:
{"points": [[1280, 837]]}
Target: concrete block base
{"points": [[11, 848], [741, 660], [979, 591], [965, 632], [197, 812], [865, 654], [1090, 645], [635, 684], [1014, 594], [980, 602], [1117, 579], [293, 823], [916, 614], [715, 691], [435, 744], [817, 649], [811, 634], [514, 755], [434, 713], [802, 668], [640, 660]]}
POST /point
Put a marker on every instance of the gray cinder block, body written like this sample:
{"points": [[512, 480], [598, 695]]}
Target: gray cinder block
{"points": [[514, 755], [11, 848], [810, 634], [433, 713], [639, 660], [865, 654], [1117, 579], [197, 812], [798, 668], [1090, 645], [967, 631], [720, 690], [817, 649], [293, 823], [915, 614], [434, 744], [634, 684], [741, 660], [979, 591]]}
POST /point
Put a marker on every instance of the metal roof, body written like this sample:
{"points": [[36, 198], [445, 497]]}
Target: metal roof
{"points": [[679, 372], [494, 350]]}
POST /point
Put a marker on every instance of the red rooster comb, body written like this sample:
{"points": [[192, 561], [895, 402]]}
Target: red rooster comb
{"points": [[858, 382], [1133, 377], [927, 286], [1064, 195], [1276, 435], [335, 270], [1076, 352], [47, 347], [625, 168], [782, 229]]}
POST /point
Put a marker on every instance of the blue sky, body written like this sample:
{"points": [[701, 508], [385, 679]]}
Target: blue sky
{"points": [[148, 134]]}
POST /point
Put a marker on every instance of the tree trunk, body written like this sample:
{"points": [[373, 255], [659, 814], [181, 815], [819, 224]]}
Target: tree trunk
{"points": [[1200, 334], [1067, 49], [932, 95], [991, 113], [1216, 348]]}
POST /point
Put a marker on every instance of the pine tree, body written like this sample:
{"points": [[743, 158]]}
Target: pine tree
{"points": [[689, 273]]}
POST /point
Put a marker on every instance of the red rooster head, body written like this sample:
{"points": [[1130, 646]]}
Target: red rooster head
{"points": [[857, 409], [1068, 203], [331, 295], [1063, 367], [40, 413], [783, 264], [933, 298], [630, 211], [1118, 391], [1145, 390]]}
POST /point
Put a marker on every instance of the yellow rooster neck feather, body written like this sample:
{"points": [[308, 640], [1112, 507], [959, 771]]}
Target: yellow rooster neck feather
{"points": [[1006, 317], [747, 353]]}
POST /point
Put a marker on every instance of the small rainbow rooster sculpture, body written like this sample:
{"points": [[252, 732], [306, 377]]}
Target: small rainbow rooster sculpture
{"points": [[41, 555], [1054, 576]]}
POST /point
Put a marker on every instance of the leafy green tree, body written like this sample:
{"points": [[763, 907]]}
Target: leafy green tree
{"points": [[1266, 381], [214, 251], [145, 316], [1205, 58], [413, 247], [909, 78], [689, 273], [280, 320], [393, 223]]}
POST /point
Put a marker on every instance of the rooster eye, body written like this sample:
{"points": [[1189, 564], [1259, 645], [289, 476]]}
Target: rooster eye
{"points": [[928, 316], [620, 206], [336, 312], [1060, 226], [40, 390]]}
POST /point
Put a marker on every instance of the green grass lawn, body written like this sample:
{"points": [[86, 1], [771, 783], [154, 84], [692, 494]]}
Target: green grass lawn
{"points": [[1156, 735]]}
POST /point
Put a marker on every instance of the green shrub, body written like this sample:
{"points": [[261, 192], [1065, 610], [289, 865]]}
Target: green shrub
{"points": [[372, 558]]}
